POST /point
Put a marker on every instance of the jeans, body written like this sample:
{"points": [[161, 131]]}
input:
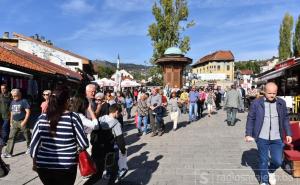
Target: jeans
{"points": [[128, 110], [5, 129], [193, 111], [16, 128], [231, 115], [143, 119], [276, 150], [184, 108]]}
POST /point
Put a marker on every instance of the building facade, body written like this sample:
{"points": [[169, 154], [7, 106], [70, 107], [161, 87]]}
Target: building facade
{"points": [[38, 46], [218, 66]]}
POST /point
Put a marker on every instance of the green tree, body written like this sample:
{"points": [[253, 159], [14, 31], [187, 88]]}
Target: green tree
{"points": [[167, 30], [296, 39], [251, 65], [105, 72], [285, 32]]}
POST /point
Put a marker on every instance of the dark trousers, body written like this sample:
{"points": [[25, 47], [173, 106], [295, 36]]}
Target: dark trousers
{"points": [[57, 176], [275, 147], [128, 110], [200, 108], [155, 122], [4, 125]]}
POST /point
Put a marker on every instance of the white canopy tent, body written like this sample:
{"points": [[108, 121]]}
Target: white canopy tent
{"points": [[129, 83], [104, 82]]}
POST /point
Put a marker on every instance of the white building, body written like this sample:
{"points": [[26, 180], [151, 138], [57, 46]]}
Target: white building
{"points": [[270, 65], [124, 75], [43, 49]]}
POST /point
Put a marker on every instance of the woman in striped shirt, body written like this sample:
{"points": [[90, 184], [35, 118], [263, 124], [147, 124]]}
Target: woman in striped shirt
{"points": [[55, 139]]}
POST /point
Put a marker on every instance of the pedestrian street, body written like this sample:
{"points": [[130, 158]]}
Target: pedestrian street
{"points": [[203, 152]]}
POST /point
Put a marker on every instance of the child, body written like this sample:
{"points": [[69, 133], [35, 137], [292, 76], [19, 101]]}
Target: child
{"points": [[110, 122]]}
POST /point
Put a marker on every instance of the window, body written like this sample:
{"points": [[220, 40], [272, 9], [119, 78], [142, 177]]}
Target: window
{"points": [[228, 68], [228, 77], [219, 68], [72, 63]]}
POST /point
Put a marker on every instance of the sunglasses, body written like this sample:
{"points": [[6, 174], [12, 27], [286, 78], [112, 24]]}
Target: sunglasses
{"points": [[45, 94]]}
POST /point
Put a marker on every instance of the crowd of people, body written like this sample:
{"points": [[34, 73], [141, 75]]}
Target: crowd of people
{"points": [[94, 122]]}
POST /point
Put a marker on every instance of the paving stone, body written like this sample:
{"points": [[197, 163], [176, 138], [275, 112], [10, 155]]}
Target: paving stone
{"points": [[203, 152]]}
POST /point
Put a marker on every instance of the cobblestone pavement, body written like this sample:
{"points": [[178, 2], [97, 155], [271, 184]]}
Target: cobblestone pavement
{"points": [[203, 152]]}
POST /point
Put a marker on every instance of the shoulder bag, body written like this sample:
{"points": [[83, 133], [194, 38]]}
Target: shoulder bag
{"points": [[86, 165]]}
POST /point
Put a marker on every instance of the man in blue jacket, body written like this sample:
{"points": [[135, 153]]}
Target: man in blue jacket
{"points": [[266, 123]]}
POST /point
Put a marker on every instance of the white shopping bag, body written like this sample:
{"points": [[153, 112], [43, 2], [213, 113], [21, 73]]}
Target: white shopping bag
{"points": [[122, 162]]}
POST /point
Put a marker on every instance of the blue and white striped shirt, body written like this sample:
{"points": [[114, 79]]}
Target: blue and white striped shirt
{"points": [[57, 151]]}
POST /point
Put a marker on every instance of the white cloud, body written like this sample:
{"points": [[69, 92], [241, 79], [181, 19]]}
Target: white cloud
{"points": [[77, 7], [112, 28], [129, 5]]}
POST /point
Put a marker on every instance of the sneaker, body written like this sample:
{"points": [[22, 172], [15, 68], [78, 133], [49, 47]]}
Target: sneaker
{"points": [[6, 155], [144, 133], [272, 178], [153, 134], [160, 133], [27, 151], [105, 175], [263, 184], [122, 173]]}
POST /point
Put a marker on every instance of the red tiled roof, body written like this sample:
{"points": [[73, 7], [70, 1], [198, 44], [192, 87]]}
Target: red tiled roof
{"points": [[15, 56], [17, 35], [216, 56], [246, 72]]}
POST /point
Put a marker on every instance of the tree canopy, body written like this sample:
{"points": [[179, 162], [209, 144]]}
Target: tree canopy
{"points": [[251, 65], [296, 39], [285, 42], [167, 30], [105, 72]]}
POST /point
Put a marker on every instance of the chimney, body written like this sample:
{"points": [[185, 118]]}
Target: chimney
{"points": [[36, 36], [43, 39], [5, 35]]}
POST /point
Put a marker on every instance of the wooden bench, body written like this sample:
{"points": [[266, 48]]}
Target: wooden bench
{"points": [[292, 151]]}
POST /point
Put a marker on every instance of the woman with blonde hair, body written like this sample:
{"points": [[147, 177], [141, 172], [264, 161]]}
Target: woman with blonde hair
{"points": [[44, 105]]}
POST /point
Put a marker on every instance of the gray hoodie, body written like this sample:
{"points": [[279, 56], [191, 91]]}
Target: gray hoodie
{"points": [[107, 122]]}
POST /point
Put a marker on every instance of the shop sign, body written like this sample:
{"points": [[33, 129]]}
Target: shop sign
{"points": [[284, 64]]}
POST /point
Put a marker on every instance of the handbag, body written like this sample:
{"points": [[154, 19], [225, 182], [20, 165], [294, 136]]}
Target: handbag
{"points": [[87, 167]]}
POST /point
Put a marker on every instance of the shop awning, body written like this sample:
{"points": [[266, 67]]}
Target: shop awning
{"points": [[273, 74], [10, 71], [13, 56]]}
